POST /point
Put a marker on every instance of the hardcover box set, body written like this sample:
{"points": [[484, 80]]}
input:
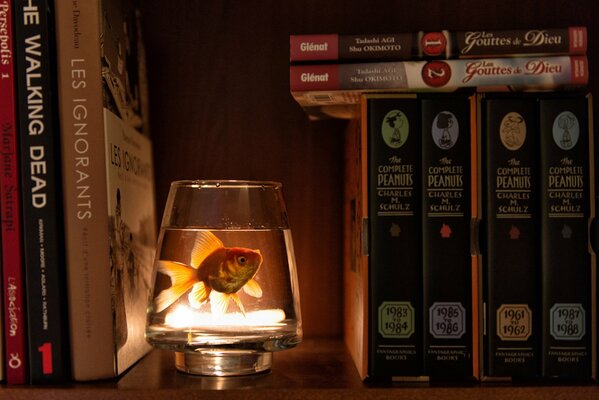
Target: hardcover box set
{"points": [[491, 273]]}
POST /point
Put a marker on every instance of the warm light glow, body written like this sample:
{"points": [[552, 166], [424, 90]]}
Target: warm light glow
{"points": [[185, 317]]}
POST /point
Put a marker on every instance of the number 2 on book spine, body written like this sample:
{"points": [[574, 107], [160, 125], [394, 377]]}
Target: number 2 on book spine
{"points": [[46, 350]]}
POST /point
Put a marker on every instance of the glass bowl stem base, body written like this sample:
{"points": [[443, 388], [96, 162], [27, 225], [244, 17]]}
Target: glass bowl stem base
{"points": [[223, 362]]}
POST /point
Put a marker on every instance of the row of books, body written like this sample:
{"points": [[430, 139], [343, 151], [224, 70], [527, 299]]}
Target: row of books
{"points": [[468, 236], [77, 190], [329, 72]]}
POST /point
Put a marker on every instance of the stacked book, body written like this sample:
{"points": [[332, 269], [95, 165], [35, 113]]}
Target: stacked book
{"points": [[329, 72], [76, 190], [470, 194]]}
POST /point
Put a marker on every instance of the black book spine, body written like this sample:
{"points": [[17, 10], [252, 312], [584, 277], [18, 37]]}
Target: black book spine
{"points": [[568, 262], [511, 254], [446, 219], [41, 192], [395, 265]]}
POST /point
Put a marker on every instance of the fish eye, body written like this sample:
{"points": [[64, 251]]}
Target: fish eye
{"points": [[242, 260]]}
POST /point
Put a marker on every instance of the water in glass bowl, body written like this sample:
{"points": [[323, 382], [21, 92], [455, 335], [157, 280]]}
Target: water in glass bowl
{"points": [[224, 290]]}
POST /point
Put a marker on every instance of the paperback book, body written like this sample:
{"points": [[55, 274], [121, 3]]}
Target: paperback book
{"points": [[14, 333], [342, 84], [442, 44]]}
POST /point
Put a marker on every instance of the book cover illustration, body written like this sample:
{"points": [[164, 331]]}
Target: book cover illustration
{"points": [[130, 177], [123, 64], [132, 234]]}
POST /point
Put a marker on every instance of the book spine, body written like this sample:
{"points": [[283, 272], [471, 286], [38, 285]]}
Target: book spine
{"points": [[568, 262], [518, 72], [446, 219], [85, 190], [394, 237], [443, 44], [41, 193], [15, 334], [511, 248]]}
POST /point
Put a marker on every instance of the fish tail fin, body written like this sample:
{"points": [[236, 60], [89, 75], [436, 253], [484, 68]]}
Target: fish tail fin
{"points": [[182, 277]]}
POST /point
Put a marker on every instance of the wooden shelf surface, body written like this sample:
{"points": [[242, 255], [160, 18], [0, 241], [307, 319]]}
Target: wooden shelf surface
{"points": [[317, 369]]}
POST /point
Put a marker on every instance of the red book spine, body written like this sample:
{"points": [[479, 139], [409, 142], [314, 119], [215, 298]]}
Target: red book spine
{"points": [[578, 40], [15, 334], [315, 77], [579, 70], [313, 47]]}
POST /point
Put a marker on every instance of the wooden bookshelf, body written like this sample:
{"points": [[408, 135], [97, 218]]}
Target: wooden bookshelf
{"points": [[221, 109], [316, 370]]}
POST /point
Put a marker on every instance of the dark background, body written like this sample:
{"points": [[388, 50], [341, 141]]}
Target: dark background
{"points": [[220, 106]]}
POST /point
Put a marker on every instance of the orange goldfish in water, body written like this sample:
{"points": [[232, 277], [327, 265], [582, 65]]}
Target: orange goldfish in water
{"points": [[216, 273]]}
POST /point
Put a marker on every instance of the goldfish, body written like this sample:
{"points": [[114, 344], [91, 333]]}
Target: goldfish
{"points": [[216, 274]]}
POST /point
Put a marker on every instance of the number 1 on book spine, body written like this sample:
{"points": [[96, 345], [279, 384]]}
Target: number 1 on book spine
{"points": [[46, 350]]}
